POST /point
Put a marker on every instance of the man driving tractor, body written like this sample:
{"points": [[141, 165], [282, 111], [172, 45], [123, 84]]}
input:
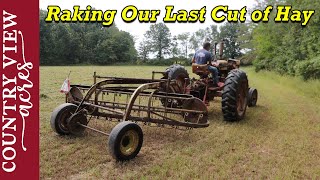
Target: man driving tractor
{"points": [[204, 57]]}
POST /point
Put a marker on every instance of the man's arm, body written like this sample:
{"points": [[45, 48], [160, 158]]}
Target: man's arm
{"points": [[215, 64], [209, 59], [213, 61], [193, 60]]}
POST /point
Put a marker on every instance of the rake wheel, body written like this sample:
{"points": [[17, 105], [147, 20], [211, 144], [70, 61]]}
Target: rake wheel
{"points": [[125, 141], [60, 116]]}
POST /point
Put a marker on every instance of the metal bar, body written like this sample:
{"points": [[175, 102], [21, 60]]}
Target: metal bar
{"points": [[128, 91], [159, 72], [105, 108], [133, 79], [149, 104], [144, 108], [122, 87], [93, 129], [95, 82], [157, 121], [166, 102], [94, 77], [164, 117], [136, 94], [205, 94], [159, 94]]}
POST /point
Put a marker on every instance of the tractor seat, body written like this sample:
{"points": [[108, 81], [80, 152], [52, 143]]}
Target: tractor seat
{"points": [[200, 69]]}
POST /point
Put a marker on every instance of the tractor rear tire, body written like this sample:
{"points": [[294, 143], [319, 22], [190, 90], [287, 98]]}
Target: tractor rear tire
{"points": [[178, 73], [59, 118], [234, 96], [125, 141]]}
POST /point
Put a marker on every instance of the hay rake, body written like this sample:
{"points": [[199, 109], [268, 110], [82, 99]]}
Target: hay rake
{"points": [[154, 102]]}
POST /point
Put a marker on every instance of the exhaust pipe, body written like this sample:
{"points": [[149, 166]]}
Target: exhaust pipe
{"points": [[215, 50], [221, 49]]}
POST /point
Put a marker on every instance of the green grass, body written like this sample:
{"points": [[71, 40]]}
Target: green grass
{"points": [[278, 139]]}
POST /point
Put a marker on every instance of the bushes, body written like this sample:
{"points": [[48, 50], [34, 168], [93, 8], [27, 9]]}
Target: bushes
{"points": [[160, 62], [288, 48], [309, 69], [164, 62], [247, 59]]}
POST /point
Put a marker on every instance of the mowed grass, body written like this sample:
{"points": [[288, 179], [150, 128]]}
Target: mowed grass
{"points": [[278, 139]]}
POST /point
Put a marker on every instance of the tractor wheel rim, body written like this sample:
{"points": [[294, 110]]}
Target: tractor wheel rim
{"points": [[180, 82], [63, 120], [129, 142], [254, 98], [241, 103]]}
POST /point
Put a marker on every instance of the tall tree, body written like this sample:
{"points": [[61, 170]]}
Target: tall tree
{"points": [[194, 44], [183, 41], [159, 38], [213, 33], [175, 51], [209, 34], [144, 50], [229, 32]]}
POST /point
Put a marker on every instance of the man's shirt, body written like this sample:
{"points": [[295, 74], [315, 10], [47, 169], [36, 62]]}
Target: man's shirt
{"points": [[202, 56]]}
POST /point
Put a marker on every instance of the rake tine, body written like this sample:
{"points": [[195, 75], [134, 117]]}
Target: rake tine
{"points": [[127, 98]]}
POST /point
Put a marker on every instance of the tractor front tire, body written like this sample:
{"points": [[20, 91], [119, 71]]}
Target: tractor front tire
{"points": [[252, 97], [234, 96], [125, 141]]}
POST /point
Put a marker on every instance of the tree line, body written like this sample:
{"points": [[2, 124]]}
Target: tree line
{"points": [[90, 43], [84, 43], [287, 48]]}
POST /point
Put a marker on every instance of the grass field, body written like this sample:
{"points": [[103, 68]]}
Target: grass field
{"points": [[278, 139]]}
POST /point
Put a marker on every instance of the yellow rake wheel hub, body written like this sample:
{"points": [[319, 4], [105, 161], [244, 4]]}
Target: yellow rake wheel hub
{"points": [[129, 142]]}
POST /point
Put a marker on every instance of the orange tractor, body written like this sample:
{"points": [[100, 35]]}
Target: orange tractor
{"points": [[233, 85]]}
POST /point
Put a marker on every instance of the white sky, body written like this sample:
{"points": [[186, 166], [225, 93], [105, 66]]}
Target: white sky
{"points": [[138, 29]]}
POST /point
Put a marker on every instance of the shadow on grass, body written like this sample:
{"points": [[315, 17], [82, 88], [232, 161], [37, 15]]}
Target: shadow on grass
{"points": [[257, 117]]}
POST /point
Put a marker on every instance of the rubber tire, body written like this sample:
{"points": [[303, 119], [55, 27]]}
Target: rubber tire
{"points": [[229, 95], [174, 72], [74, 128], [56, 115], [250, 94], [115, 139]]}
